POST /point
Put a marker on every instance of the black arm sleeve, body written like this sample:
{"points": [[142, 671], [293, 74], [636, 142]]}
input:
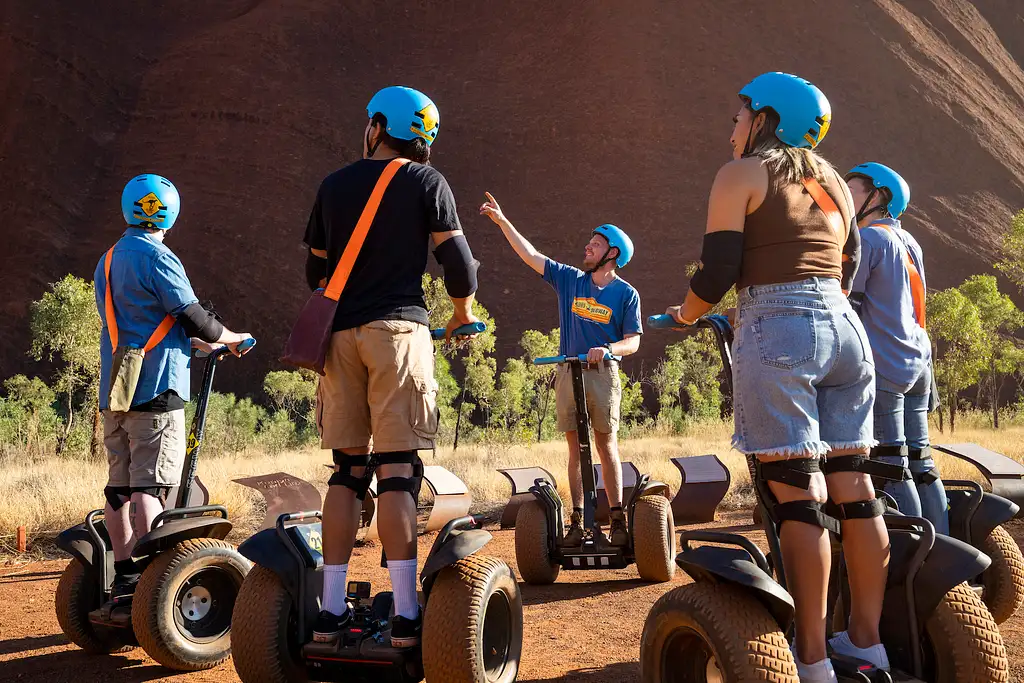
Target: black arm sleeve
{"points": [[459, 266], [851, 256], [316, 270], [201, 323], [721, 258]]}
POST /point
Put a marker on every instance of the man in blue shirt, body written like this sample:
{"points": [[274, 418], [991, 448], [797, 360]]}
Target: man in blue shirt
{"points": [[147, 307], [598, 313], [889, 294]]}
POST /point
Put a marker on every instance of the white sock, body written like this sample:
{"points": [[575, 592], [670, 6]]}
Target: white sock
{"points": [[875, 654], [819, 672], [403, 583], [335, 589]]}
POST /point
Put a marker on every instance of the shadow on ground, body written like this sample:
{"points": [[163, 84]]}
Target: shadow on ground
{"points": [[620, 672]]}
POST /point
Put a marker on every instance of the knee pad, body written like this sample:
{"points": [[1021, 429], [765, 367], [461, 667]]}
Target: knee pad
{"points": [[158, 492], [923, 478], [889, 452], [865, 465], [117, 496], [343, 475], [410, 485], [797, 473]]}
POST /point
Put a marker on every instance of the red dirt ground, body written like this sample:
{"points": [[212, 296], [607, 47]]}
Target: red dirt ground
{"points": [[612, 605]]}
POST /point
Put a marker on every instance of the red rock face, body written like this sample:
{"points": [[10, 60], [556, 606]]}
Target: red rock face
{"points": [[571, 114]]}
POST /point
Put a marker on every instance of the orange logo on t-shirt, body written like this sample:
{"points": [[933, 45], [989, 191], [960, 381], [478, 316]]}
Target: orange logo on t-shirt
{"points": [[589, 309]]}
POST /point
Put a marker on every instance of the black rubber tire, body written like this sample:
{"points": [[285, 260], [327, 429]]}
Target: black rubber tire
{"points": [[533, 555], [690, 625], [1004, 580], [473, 623], [77, 595], [964, 641], [654, 539], [156, 601], [266, 648]]}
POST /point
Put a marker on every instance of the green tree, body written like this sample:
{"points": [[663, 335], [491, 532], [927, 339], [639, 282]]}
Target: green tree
{"points": [[954, 323], [476, 356], [1011, 262], [1000, 318], [27, 418], [687, 382], [294, 392], [536, 344], [513, 398], [66, 327]]}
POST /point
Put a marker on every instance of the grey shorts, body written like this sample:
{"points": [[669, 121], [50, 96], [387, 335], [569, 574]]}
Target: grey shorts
{"points": [[144, 449]]}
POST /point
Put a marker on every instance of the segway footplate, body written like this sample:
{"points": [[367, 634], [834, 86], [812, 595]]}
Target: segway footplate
{"points": [[593, 556]]}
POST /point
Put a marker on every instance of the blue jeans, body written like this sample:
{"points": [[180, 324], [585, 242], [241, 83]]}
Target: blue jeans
{"points": [[802, 371], [901, 418]]}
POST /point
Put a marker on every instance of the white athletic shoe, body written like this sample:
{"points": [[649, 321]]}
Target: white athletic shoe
{"points": [[875, 654]]}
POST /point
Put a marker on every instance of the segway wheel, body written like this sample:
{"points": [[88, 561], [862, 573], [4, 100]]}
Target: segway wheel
{"points": [[264, 630], [533, 554], [182, 608], [965, 641], [1004, 580], [713, 633], [654, 539], [473, 623], [77, 595]]}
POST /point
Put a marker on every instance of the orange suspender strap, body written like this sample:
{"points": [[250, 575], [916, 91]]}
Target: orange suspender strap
{"points": [[158, 334], [917, 292], [355, 243], [831, 211]]}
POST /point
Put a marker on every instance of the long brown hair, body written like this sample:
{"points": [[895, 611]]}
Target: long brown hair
{"points": [[788, 163]]}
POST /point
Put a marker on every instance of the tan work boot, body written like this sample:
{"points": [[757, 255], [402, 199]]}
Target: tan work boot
{"points": [[574, 536], [619, 532]]}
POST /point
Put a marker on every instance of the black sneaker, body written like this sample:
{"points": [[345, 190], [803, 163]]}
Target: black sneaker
{"points": [[574, 535], [124, 585], [328, 626], [406, 632], [619, 532]]}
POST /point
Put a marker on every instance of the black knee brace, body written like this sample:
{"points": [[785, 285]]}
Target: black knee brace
{"points": [[410, 485], [923, 478], [796, 473], [158, 492], [117, 496], [889, 451], [865, 465], [863, 509], [343, 475]]}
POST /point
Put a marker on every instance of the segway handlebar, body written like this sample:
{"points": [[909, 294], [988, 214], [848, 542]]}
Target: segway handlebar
{"points": [[667, 322], [243, 348], [555, 360], [461, 331]]}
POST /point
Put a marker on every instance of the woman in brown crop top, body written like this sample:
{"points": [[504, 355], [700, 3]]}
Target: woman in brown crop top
{"points": [[779, 228]]}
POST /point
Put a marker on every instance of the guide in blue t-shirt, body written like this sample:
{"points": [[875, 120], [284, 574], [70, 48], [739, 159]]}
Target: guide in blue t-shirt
{"points": [[598, 312]]}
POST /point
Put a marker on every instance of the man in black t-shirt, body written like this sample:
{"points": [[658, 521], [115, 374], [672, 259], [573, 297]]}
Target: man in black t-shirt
{"points": [[378, 392]]}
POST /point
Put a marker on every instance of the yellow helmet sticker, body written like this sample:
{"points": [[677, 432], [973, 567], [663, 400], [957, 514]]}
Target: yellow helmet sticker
{"points": [[151, 204], [430, 118], [826, 121]]}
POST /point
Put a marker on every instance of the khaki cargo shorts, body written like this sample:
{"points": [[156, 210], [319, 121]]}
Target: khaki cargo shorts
{"points": [[144, 449], [378, 389], [604, 396]]}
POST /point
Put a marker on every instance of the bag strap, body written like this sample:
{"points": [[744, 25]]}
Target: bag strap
{"points": [[917, 293], [829, 208], [355, 243], [158, 334]]}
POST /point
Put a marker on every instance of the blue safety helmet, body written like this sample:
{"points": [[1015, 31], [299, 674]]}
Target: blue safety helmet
{"points": [[804, 112], [150, 201], [619, 239], [884, 178], [410, 113]]}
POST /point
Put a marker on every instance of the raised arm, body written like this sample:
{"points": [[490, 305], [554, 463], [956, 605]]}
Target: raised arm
{"points": [[526, 251]]}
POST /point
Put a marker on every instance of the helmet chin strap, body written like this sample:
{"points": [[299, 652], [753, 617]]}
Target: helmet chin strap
{"points": [[864, 210], [750, 135], [371, 149], [604, 259]]}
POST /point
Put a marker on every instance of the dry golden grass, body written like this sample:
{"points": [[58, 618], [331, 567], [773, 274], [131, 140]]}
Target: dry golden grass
{"points": [[49, 494]]}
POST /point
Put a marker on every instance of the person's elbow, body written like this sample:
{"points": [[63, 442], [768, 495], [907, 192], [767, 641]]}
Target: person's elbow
{"points": [[631, 344]]}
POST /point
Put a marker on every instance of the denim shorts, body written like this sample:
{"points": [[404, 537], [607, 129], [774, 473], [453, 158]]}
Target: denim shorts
{"points": [[803, 374]]}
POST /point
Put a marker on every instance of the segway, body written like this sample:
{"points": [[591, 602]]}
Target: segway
{"points": [[541, 551], [735, 622], [181, 608], [472, 611]]}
